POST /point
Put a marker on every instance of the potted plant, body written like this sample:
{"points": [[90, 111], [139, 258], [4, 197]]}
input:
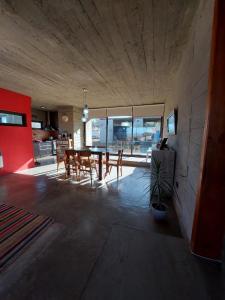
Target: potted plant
{"points": [[158, 188]]}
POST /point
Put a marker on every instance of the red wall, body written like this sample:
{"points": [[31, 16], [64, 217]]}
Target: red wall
{"points": [[16, 142]]}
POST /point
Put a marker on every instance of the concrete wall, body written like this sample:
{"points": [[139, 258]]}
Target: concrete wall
{"points": [[65, 126], [74, 126], [39, 115], [78, 128], [189, 95]]}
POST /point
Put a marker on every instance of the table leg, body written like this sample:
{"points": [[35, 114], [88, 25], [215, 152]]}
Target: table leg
{"points": [[100, 166], [107, 162], [68, 166]]}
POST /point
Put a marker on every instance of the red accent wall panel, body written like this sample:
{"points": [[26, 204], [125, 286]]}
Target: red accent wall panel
{"points": [[16, 142]]}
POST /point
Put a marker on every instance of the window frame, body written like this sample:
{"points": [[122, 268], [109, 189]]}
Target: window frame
{"points": [[151, 119], [132, 129], [23, 115]]}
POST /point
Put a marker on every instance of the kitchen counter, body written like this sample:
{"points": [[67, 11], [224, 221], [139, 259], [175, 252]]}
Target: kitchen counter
{"points": [[46, 148]]}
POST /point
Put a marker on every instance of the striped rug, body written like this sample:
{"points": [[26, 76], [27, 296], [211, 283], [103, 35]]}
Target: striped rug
{"points": [[18, 228]]}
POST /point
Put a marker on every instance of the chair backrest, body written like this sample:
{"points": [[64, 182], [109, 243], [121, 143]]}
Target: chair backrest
{"points": [[75, 159], [120, 157], [84, 157], [60, 152], [60, 155], [70, 156], [61, 146], [84, 153]]}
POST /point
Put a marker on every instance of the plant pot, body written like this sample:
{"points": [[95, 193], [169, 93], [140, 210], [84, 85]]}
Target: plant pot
{"points": [[159, 211]]}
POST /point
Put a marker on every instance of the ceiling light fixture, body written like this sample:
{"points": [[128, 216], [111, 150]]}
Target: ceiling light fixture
{"points": [[85, 106], [84, 118], [85, 110]]}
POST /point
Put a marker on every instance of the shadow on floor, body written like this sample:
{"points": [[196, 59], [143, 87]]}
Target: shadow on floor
{"points": [[110, 247]]}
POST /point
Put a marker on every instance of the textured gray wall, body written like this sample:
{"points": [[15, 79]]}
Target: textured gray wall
{"points": [[78, 126], [74, 125], [189, 95], [39, 115], [66, 126]]}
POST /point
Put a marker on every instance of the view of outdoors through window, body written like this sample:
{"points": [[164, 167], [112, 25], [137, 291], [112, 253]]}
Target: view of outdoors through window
{"points": [[10, 118], [96, 132], [118, 133], [146, 134]]}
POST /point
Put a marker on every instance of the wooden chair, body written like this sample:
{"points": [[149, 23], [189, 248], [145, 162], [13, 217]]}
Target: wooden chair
{"points": [[60, 157], [86, 163], [72, 162], [116, 163], [61, 146], [75, 164]]}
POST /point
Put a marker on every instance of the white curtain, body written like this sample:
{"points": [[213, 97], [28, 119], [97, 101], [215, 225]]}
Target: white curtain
{"points": [[153, 110], [95, 113], [119, 111]]}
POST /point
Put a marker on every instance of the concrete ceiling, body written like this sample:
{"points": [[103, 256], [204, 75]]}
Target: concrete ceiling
{"points": [[124, 52]]}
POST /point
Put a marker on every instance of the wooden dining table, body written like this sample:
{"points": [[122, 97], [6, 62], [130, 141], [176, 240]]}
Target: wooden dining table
{"points": [[95, 151]]}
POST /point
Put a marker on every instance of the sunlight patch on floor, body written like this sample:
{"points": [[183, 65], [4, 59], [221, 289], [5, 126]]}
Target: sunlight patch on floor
{"points": [[51, 172]]}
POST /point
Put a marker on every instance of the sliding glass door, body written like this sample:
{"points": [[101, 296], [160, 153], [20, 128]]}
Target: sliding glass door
{"points": [[96, 132], [146, 134], [134, 135], [120, 134]]}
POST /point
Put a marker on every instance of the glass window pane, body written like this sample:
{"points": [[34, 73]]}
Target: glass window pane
{"points": [[96, 132], [146, 134], [120, 134], [8, 118], [36, 125]]}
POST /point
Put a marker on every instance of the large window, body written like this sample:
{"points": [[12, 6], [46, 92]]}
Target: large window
{"points": [[146, 134], [12, 119], [96, 132], [120, 134], [135, 129]]}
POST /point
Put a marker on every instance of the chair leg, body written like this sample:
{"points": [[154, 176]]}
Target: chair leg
{"points": [[110, 169], [91, 175], [121, 168], [66, 173], [117, 172], [76, 171], [96, 171]]}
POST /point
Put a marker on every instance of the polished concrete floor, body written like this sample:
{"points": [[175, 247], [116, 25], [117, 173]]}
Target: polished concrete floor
{"points": [[104, 243], [127, 160]]}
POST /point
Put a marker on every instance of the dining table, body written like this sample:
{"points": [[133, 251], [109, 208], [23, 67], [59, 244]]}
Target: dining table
{"points": [[98, 151]]}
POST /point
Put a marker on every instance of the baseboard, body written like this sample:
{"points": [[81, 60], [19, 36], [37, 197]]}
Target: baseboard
{"points": [[207, 258]]}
